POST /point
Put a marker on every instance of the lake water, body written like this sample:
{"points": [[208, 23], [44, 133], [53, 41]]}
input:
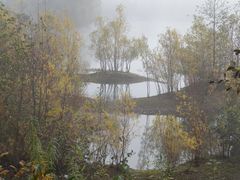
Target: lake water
{"points": [[142, 123], [136, 90]]}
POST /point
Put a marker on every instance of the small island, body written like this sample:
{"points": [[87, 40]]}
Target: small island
{"points": [[113, 77]]}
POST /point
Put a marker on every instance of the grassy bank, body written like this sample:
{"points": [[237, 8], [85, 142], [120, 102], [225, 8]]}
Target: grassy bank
{"points": [[213, 169], [111, 77]]}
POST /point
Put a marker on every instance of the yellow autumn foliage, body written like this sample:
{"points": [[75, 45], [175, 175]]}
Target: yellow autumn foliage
{"points": [[169, 132]]}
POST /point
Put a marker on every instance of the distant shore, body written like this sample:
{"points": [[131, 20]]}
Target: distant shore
{"points": [[112, 77]]}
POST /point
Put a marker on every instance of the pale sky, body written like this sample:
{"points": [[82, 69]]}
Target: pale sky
{"points": [[149, 18], [144, 17], [152, 17]]}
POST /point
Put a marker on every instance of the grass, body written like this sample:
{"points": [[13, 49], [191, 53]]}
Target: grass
{"points": [[112, 77], [164, 104], [208, 170]]}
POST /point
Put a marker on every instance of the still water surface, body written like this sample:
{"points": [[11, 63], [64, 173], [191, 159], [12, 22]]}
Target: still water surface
{"points": [[137, 90]]}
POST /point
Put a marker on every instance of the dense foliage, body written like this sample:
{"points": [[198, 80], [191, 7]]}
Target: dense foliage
{"points": [[49, 129]]}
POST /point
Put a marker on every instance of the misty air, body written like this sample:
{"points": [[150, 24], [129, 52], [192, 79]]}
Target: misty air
{"points": [[119, 89]]}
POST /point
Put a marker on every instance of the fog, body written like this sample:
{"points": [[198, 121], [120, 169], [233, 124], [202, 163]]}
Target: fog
{"points": [[152, 17], [82, 12], [149, 18], [145, 89]]}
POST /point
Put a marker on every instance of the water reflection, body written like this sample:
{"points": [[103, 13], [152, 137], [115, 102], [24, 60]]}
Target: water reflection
{"points": [[139, 143], [112, 91]]}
